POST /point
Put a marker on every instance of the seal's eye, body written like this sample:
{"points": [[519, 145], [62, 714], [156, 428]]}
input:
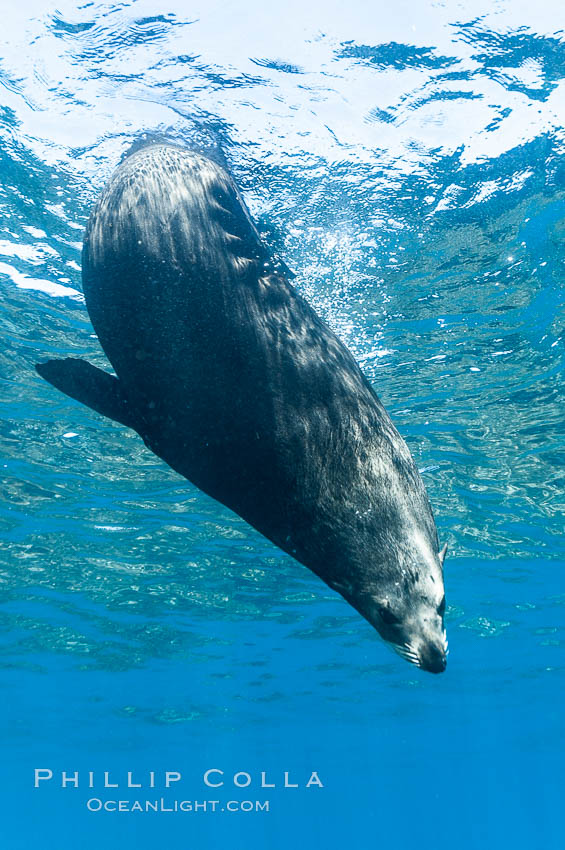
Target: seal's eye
{"points": [[441, 607], [387, 616]]}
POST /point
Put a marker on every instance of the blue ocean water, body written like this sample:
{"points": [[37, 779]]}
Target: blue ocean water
{"points": [[407, 164]]}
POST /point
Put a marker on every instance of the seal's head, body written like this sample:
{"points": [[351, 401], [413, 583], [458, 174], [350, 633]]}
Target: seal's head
{"points": [[408, 610]]}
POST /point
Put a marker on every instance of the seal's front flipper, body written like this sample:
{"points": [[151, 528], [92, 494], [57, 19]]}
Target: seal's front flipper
{"points": [[89, 385]]}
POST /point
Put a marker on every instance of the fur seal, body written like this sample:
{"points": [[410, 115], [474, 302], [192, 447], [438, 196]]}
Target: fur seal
{"points": [[231, 378]]}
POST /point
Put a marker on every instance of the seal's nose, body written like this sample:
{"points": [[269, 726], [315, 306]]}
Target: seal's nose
{"points": [[433, 658]]}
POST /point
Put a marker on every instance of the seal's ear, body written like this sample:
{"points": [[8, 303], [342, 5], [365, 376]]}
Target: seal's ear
{"points": [[91, 386], [442, 553]]}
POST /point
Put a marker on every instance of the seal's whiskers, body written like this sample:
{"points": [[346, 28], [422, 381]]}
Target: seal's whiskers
{"points": [[407, 652], [445, 643]]}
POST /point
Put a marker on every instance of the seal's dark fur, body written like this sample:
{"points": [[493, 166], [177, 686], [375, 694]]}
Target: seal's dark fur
{"points": [[231, 377]]}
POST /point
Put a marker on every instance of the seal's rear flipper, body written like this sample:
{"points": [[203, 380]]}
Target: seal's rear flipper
{"points": [[284, 269], [89, 385]]}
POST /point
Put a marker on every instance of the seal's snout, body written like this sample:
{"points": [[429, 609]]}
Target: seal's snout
{"points": [[433, 658]]}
